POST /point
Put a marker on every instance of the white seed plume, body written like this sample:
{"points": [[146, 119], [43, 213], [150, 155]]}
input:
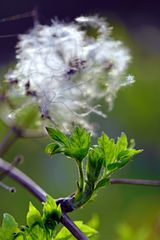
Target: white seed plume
{"points": [[67, 67]]}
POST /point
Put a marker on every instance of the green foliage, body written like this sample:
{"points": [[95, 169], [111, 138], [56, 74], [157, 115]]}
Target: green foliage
{"points": [[33, 216], [79, 143], [51, 213], [76, 146], [102, 160], [57, 136], [64, 234], [94, 164], [116, 155], [39, 226], [9, 226]]}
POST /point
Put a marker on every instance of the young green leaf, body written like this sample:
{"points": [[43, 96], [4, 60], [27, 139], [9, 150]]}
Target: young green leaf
{"points": [[51, 213], [38, 227], [57, 136], [9, 222], [128, 154], [121, 144], [94, 165], [79, 143], [49, 205], [116, 155], [108, 148], [53, 148], [116, 165], [33, 216], [75, 147], [64, 234], [102, 183], [36, 232], [9, 227]]}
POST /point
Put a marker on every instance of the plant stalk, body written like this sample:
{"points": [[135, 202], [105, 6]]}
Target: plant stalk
{"points": [[143, 182], [65, 220], [9, 139], [81, 176]]}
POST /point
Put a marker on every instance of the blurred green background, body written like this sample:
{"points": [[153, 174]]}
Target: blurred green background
{"points": [[125, 212]]}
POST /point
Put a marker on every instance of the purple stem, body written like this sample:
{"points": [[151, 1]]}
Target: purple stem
{"points": [[143, 182], [8, 140]]}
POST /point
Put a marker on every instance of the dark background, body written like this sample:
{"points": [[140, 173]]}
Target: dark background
{"points": [[130, 13]]}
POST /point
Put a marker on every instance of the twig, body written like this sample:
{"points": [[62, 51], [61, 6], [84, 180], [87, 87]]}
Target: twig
{"points": [[24, 180], [14, 133], [14, 163], [40, 194], [144, 182], [8, 140], [35, 16], [18, 16], [8, 188], [66, 221]]}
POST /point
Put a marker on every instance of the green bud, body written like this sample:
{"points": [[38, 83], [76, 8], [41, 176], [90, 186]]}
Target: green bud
{"points": [[95, 161]]}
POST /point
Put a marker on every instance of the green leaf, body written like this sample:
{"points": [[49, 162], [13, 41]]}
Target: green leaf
{"points": [[117, 165], [49, 205], [9, 222], [95, 162], [121, 144], [53, 148], [75, 147], [37, 232], [116, 155], [102, 183], [41, 228], [128, 154], [108, 147], [51, 213], [64, 234], [33, 216], [57, 136], [79, 143], [9, 227]]}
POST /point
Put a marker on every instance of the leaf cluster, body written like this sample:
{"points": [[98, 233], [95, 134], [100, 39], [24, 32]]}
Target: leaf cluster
{"points": [[39, 226], [96, 163], [75, 146]]}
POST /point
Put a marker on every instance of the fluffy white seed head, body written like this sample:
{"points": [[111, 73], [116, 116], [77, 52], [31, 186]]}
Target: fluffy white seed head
{"points": [[66, 69]]}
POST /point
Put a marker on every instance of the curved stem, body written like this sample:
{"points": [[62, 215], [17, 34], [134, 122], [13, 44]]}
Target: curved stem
{"points": [[144, 182], [23, 179], [65, 220], [40, 194]]}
